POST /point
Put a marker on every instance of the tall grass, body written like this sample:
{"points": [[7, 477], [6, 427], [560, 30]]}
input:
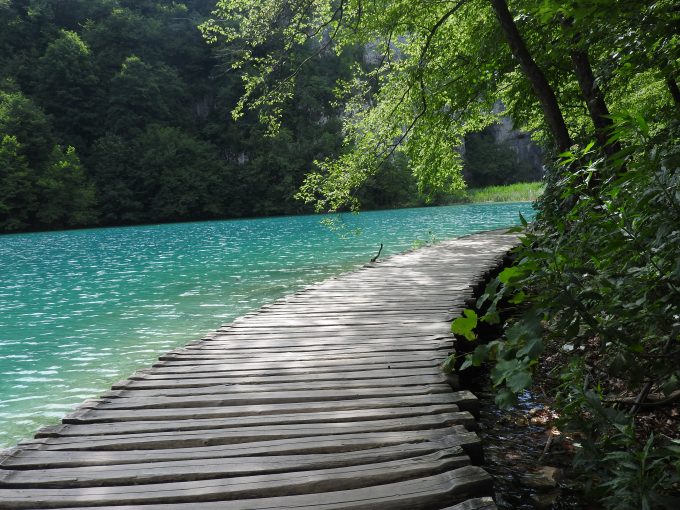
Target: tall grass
{"points": [[519, 192]]}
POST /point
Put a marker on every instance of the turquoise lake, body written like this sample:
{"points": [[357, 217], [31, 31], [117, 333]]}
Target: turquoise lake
{"points": [[80, 310]]}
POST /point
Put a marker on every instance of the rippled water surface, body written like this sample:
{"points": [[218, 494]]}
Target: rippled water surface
{"points": [[80, 310]]}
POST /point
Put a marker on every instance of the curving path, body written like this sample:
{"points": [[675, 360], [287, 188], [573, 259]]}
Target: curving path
{"points": [[330, 398]]}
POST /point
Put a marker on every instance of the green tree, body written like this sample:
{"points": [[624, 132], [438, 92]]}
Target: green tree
{"points": [[179, 176], [439, 69], [437, 72], [22, 118], [66, 197], [142, 94], [114, 170], [67, 87], [16, 197]]}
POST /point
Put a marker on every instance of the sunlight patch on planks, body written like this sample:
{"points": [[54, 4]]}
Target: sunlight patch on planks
{"points": [[330, 398]]}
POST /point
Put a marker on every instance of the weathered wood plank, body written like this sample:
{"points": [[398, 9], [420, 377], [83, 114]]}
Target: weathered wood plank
{"points": [[265, 383], [415, 344], [273, 368], [365, 378], [322, 330], [461, 418], [274, 397], [416, 494], [205, 469], [293, 359], [318, 340], [37, 458], [188, 439], [134, 392], [243, 488], [95, 413], [396, 371], [474, 504]]}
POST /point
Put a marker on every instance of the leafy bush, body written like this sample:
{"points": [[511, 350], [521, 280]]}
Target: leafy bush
{"points": [[597, 277]]}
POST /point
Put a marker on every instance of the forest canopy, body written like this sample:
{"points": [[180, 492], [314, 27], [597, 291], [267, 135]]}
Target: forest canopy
{"points": [[441, 68], [117, 112]]}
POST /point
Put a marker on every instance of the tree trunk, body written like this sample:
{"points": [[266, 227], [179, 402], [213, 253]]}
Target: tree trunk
{"points": [[674, 90], [542, 89], [597, 107]]}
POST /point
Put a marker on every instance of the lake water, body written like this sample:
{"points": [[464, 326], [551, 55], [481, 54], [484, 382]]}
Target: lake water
{"points": [[80, 310]]}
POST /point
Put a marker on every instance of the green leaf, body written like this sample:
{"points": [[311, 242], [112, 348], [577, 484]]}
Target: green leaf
{"points": [[448, 364], [519, 381], [491, 318], [479, 355], [464, 326], [642, 125], [533, 348], [505, 398], [510, 273]]}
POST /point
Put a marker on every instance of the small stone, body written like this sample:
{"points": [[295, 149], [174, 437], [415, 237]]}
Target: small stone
{"points": [[520, 421], [539, 420], [545, 477], [544, 501]]}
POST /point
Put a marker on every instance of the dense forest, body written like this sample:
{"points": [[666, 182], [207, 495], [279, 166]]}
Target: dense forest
{"points": [[118, 112]]}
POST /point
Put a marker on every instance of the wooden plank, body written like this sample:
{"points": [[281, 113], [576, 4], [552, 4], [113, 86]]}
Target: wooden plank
{"points": [[415, 494], [134, 392], [314, 350], [365, 378], [273, 397], [292, 367], [293, 356], [270, 384], [341, 350], [96, 414], [397, 371], [205, 469], [208, 361], [127, 427], [243, 488], [317, 341], [265, 322], [322, 330], [188, 439], [474, 504], [37, 458]]}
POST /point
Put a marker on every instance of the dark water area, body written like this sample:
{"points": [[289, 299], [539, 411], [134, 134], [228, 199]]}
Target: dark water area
{"points": [[514, 441]]}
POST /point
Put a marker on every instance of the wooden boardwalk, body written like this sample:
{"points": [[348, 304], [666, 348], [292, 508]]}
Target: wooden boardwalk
{"points": [[331, 398]]}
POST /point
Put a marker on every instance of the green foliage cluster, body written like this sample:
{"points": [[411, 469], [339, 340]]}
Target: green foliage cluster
{"points": [[40, 183], [117, 112], [393, 108], [133, 91], [598, 279]]}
